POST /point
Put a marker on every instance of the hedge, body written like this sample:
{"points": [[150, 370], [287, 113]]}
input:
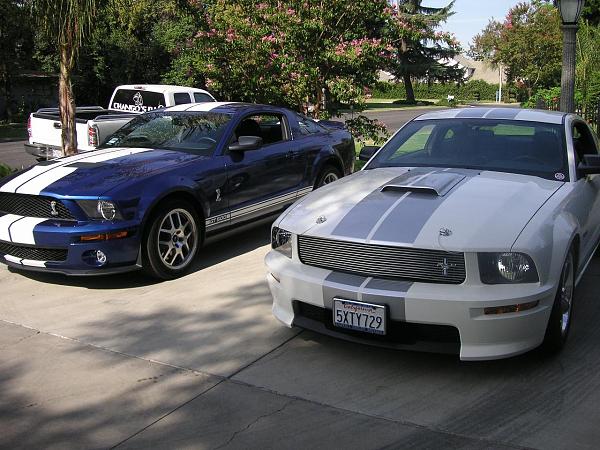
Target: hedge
{"points": [[466, 91]]}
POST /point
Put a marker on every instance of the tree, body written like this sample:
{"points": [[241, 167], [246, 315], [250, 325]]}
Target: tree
{"points": [[17, 46], [421, 50], [591, 12], [528, 43], [588, 63], [65, 23], [300, 53]]}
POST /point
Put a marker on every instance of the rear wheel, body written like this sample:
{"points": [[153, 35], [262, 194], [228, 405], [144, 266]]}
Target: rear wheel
{"points": [[172, 240], [562, 310], [328, 175]]}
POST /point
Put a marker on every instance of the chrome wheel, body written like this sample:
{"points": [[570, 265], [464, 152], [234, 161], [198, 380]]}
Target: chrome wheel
{"points": [[329, 178], [566, 295], [177, 238]]}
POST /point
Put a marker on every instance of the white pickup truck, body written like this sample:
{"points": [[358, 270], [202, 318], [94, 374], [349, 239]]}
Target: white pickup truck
{"points": [[94, 123]]}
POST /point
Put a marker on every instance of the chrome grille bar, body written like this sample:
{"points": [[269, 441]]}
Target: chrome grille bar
{"points": [[383, 261]]}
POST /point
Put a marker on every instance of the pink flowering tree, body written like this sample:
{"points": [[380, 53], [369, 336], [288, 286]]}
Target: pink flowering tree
{"points": [[306, 54], [421, 49]]}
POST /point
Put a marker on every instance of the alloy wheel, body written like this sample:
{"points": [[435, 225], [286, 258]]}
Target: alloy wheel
{"points": [[177, 239]]}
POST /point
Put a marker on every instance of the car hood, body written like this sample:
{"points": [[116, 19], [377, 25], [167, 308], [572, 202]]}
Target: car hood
{"points": [[94, 173], [448, 209]]}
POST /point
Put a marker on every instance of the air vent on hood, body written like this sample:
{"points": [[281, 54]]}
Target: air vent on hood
{"points": [[436, 183]]}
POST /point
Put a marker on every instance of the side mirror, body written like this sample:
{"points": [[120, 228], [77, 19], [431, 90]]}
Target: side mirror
{"points": [[245, 143], [367, 152], [590, 165]]}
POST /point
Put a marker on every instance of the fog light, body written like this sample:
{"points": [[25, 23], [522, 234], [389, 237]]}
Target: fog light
{"points": [[100, 257], [95, 258], [520, 307]]}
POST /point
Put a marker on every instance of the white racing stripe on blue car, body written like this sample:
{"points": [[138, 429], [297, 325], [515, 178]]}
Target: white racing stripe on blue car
{"points": [[41, 182], [33, 263], [5, 222], [21, 231], [53, 172], [13, 259]]}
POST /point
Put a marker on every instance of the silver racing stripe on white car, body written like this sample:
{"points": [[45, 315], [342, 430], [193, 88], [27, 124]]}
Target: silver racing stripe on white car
{"points": [[367, 289], [364, 216], [397, 218]]}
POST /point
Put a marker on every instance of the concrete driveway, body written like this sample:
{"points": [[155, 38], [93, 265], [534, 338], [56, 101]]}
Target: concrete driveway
{"points": [[199, 362]]}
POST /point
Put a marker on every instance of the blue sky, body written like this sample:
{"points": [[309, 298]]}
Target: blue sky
{"points": [[471, 16]]}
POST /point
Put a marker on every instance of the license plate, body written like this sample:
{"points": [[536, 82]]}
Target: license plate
{"points": [[359, 316]]}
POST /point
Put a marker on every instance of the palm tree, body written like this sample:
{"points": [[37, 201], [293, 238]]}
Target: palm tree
{"points": [[65, 22]]}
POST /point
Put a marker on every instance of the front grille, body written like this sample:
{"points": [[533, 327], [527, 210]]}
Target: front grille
{"points": [[33, 206], [33, 253], [398, 332], [383, 261]]}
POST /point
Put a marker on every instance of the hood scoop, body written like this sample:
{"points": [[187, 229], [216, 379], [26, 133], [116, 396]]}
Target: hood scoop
{"points": [[438, 184]]}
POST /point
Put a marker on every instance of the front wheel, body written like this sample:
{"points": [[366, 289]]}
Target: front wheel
{"points": [[561, 316], [328, 174], [172, 240]]}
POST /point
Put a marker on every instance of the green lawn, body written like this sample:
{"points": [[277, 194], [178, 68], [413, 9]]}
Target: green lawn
{"points": [[13, 131]]}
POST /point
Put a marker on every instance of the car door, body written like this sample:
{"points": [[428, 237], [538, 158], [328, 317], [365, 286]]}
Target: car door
{"points": [[265, 179], [587, 190], [309, 139]]}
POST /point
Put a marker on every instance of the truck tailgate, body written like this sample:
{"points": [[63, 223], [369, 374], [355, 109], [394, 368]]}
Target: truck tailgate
{"points": [[46, 130]]}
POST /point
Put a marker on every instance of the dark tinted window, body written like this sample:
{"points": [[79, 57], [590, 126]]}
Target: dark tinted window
{"points": [[137, 101], [197, 132], [199, 97], [530, 148], [181, 98], [308, 126], [269, 127]]}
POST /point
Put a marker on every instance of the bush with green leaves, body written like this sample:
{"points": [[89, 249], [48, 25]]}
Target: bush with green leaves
{"points": [[5, 170], [365, 130], [468, 91]]}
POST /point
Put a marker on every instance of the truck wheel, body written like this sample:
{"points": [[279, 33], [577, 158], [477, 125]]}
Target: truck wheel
{"points": [[561, 316], [171, 240], [328, 174]]}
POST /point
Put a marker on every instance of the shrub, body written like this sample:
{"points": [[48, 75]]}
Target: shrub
{"points": [[467, 91], [5, 170]]}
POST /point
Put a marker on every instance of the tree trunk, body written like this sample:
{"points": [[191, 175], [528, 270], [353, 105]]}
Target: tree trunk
{"points": [[65, 98], [410, 93]]}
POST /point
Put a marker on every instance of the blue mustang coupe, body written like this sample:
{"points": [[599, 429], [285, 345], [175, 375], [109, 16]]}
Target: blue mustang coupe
{"points": [[162, 184]]}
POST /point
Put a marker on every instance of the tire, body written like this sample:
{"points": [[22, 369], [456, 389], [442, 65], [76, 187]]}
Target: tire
{"points": [[171, 240], [328, 174], [561, 316]]}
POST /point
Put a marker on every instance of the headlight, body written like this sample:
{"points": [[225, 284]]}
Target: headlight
{"points": [[281, 241], [100, 209], [506, 268]]}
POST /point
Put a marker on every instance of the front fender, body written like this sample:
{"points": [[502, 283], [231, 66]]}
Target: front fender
{"points": [[548, 237]]}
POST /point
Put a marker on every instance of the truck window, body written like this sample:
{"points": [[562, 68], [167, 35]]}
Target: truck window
{"points": [[132, 100], [200, 97], [181, 98]]}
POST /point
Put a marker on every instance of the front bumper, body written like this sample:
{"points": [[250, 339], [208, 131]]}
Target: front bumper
{"points": [[63, 237], [460, 306]]}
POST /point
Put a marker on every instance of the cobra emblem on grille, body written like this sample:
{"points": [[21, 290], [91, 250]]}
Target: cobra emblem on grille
{"points": [[53, 210], [445, 266]]}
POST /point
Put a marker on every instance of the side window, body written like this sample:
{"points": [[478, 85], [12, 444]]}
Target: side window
{"points": [[270, 127], [200, 97], [416, 143], [181, 98], [308, 126], [583, 141]]}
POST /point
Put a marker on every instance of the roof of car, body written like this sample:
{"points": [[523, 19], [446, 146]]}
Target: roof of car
{"points": [[221, 107], [162, 88], [531, 115]]}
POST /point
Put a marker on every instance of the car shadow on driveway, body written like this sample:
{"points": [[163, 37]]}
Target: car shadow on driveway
{"points": [[217, 250]]}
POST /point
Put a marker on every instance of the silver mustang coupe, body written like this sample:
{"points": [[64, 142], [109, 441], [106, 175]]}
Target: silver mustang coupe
{"points": [[467, 232]]}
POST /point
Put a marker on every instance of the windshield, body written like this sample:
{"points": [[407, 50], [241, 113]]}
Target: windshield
{"points": [[196, 132], [530, 148]]}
